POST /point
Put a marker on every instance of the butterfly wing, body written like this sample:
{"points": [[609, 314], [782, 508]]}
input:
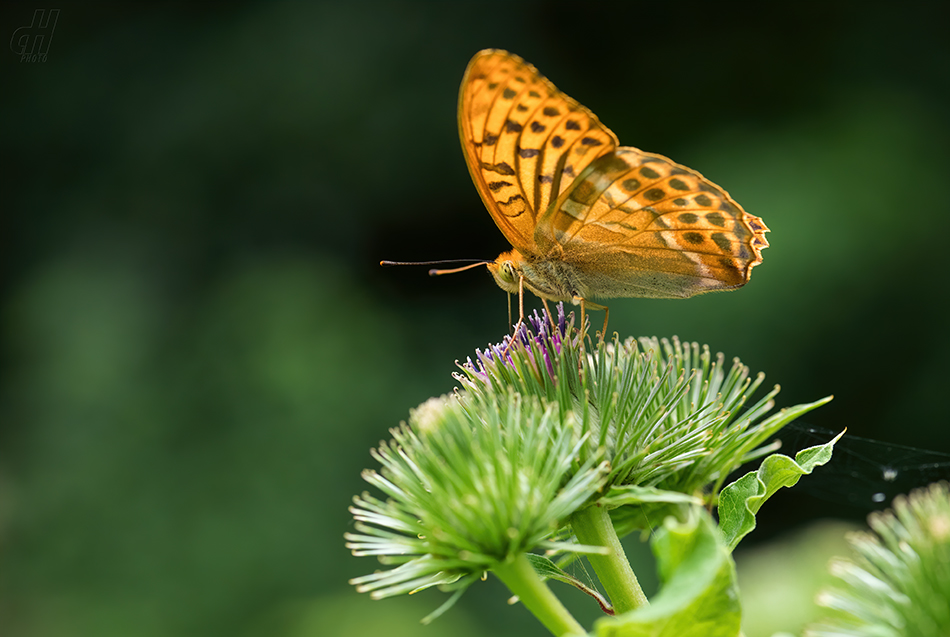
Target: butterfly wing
{"points": [[639, 224], [524, 141]]}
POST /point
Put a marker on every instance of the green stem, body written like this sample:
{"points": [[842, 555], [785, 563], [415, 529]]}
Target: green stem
{"points": [[592, 526], [522, 580]]}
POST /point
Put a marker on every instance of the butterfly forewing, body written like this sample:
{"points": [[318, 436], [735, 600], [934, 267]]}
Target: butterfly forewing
{"points": [[642, 225], [525, 142]]}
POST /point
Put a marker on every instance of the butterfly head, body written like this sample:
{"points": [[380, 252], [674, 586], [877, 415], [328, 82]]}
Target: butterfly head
{"points": [[507, 270]]}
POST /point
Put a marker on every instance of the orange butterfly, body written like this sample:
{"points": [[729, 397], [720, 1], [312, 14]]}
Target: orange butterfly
{"points": [[588, 218]]}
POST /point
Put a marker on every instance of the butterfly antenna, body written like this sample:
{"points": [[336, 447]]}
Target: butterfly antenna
{"points": [[454, 270], [434, 272]]}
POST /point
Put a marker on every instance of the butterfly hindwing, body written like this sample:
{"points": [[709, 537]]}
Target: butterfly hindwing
{"points": [[639, 224]]}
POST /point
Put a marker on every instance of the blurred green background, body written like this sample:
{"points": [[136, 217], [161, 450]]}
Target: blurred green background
{"points": [[198, 347]]}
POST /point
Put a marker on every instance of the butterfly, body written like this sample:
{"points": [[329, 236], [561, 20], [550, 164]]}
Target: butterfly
{"points": [[586, 217]]}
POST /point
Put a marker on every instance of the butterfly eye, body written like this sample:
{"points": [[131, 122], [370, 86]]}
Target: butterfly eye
{"points": [[507, 272]]}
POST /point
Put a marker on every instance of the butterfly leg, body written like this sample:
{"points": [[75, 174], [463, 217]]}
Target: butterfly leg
{"points": [[548, 311], [517, 325], [514, 332], [594, 306], [520, 301]]}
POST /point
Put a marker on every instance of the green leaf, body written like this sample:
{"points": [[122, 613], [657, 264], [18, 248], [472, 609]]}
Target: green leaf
{"points": [[547, 569], [741, 500], [699, 596]]}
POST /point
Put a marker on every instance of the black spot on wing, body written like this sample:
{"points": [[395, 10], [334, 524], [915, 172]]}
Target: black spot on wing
{"points": [[722, 242], [501, 168], [585, 193], [694, 238], [610, 163]]}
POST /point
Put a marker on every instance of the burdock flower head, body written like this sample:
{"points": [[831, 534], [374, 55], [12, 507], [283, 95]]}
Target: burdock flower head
{"points": [[474, 482], [666, 415], [556, 444], [898, 583]]}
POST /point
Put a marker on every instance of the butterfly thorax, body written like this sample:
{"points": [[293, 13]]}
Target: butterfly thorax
{"points": [[549, 279]]}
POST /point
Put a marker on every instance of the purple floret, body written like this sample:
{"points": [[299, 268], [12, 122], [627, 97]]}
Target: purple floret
{"points": [[536, 334]]}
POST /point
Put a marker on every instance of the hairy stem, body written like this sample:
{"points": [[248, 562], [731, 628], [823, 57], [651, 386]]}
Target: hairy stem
{"points": [[592, 526]]}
